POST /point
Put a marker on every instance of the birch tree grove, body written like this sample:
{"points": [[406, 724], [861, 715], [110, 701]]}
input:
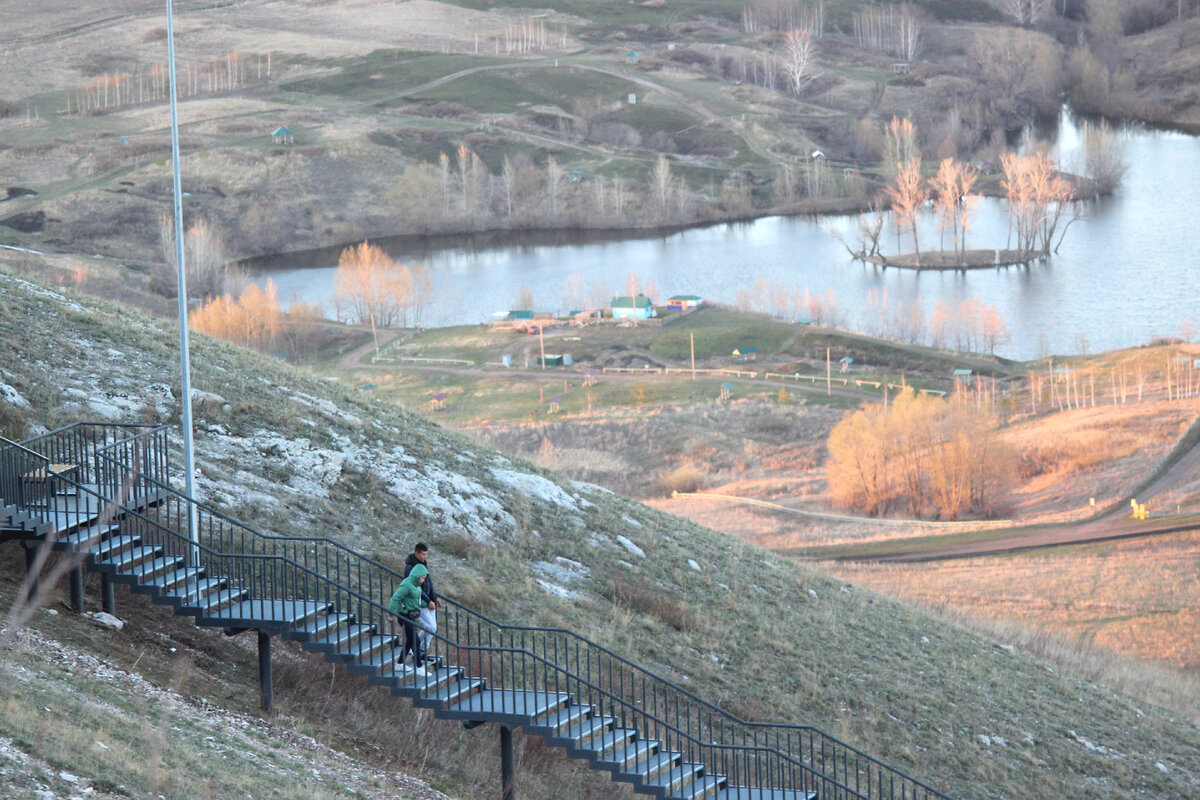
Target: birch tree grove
{"points": [[784, 15], [891, 29], [1026, 12]]}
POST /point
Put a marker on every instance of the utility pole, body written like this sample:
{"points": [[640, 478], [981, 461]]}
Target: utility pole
{"points": [[189, 464], [828, 376], [692, 336]]}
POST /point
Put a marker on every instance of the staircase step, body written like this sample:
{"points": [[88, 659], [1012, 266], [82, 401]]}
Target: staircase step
{"points": [[657, 764], [259, 611], [344, 639], [108, 548], [678, 777], [554, 724], [147, 571], [216, 602], [369, 648], [631, 756], [321, 628], [93, 534], [194, 592], [459, 692], [171, 582], [755, 793], [611, 741], [582, 734], [126, 560], [702, 788], [433, 681]]}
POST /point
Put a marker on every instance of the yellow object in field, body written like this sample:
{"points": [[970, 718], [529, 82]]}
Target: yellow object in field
{"points": [[1139, 510]]}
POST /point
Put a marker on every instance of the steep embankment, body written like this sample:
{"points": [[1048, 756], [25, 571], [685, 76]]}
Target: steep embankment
{"points": [[765, 638]]}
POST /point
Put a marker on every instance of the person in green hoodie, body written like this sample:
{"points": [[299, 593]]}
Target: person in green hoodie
{"points": [[406, 599]]}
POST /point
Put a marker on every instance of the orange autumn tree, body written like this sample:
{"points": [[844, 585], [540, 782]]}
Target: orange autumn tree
{"points": [[907, 197], [1038, 196], [922, 455], [369, 286], [951, 187], [252, 320]]}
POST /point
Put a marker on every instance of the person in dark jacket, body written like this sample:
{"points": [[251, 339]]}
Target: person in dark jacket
{"points": [[429, 597], [405, 600]]}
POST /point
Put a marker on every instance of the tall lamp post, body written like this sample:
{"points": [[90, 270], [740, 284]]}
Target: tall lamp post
{"points": [[189, 464]]}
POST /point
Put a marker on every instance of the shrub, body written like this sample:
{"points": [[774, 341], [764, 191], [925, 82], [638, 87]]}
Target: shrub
{"points": [[683, 479], [638, 595]]}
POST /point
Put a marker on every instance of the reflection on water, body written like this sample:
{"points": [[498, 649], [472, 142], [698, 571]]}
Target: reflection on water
{"points": [[1127, 271]]}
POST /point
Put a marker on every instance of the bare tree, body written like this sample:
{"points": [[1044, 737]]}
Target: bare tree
{"points": [[799, 60], [907, 197], [1026, 12], [900, 144], [662, 184], [1103, 157], [891, 29], [953, 200]]}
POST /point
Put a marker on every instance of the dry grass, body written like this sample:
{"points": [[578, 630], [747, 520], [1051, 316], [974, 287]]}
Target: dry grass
{"points": [[1138, 599]]}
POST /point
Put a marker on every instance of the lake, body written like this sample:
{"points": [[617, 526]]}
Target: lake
{"points": [[1128, 269]]}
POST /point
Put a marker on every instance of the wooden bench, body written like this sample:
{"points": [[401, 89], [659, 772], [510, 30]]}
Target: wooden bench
{"points": [[51, 475]]}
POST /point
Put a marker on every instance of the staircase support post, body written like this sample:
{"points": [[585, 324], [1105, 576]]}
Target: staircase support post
{"points": [[77, 590], [30, 565], [507, 779], [107, 599], [265, 690]]}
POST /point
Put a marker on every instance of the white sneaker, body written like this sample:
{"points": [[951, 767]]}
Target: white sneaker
{"points": [[421, 673]]}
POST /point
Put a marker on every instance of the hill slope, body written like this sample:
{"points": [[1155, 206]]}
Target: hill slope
{"points": [[767, 639]]}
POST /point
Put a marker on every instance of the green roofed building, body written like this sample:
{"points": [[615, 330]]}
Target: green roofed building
{"points": [[684, 301], [627, 307]]}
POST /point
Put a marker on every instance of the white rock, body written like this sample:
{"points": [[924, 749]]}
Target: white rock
{"points": [[1161, 766], [693, 566], [631, 547], [535, 486], [631, 522], [68, 777], [925, 639], [812, 594], [12, 396], [107, 620], [1008, 648], [985, 739]]}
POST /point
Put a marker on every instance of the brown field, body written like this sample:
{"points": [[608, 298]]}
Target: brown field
{"points": [[1138, 598]]}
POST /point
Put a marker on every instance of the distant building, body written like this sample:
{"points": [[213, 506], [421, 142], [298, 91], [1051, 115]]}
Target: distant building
{"points": [[964, 376], [685, 301], [746, 353], [282, 135], [632, 57], [627, 307]]}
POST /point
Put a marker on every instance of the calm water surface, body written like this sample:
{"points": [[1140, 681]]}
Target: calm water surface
{"points": [[1129, 270]]}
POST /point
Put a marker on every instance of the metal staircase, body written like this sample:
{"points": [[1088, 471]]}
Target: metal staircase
{"points": [[100, 493]]}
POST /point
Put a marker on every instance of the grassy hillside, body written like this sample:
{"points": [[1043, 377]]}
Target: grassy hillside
{"points": [[767, 639]]}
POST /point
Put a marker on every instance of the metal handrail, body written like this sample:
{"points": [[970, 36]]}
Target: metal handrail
{"points": [[308, 568]]}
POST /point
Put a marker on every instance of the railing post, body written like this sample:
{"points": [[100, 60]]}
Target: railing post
{"points": [[30, 565], [265, 690], [107, 599], [507, 779], [77, 590]]}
